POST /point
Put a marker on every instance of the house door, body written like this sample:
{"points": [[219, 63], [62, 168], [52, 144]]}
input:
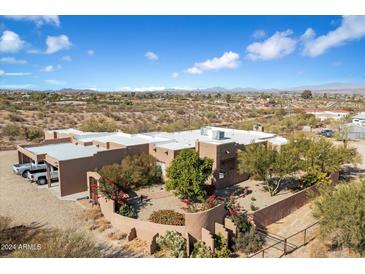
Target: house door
{"points": [[93, 187]]}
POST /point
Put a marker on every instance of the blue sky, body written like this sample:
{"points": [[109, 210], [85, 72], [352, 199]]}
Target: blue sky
{"points": [[147, 52]]}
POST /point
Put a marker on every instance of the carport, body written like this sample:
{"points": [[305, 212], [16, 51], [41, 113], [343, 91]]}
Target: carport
{"points": [[73, 161], [59, 156]]}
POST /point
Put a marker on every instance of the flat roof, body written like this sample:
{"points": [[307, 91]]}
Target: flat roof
{"points": [[361, 116], [122, 138], [187, 139], [65, 151], [182, 139]]}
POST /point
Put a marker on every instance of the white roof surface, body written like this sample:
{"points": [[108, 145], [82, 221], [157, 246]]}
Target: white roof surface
{"points": [[182, 139], [122, 138], [187, 139], [65, 151]]}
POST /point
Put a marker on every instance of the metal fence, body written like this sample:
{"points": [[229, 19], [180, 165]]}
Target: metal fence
{"points": [[280, 246]]}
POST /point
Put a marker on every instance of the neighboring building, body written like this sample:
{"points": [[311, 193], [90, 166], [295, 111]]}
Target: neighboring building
{"points": [[359, 119], [75, 152], [356, 129], [324, 115]]}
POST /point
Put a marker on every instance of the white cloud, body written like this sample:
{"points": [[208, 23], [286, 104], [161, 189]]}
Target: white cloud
{"points": [[175, 75], [67, 58], [90, 52], [39, 20], [49, 68], [276, 46], [151, 56], [57, 43], [17, 86], [351, 28], [258, 34], [142, 89], [17, 73], [10, 42], [229, 60], [12, 60], [2, 73], [54, 82]]}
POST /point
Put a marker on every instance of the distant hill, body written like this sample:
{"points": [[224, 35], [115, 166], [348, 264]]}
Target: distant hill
{"points": [[346, 88]]}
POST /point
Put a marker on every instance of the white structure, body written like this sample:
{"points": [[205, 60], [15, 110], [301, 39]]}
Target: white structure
{"points": [[324, 115], [359, 119]]}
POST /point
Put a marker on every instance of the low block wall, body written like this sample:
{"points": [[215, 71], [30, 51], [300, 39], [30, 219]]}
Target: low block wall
{"points": [[194, 222], [281, 209], [148, 231], [144, 230]]}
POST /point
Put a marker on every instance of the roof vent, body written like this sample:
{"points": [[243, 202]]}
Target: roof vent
{"points": [[217, 135]]}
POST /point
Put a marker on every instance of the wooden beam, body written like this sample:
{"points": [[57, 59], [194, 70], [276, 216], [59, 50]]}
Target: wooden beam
{"points": [[48, 174]]}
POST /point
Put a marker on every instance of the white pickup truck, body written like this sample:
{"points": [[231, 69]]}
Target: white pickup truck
{"points": [[40, 176], [22, 169]]}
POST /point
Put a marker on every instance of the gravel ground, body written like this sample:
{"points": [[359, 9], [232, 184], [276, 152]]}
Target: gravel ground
{"points": [[25, 203]]}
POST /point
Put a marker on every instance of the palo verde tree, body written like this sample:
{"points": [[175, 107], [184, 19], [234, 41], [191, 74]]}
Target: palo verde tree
{"points": [[134, 171], [341, 212], [321, 154], [187, 175], [270, 164]]}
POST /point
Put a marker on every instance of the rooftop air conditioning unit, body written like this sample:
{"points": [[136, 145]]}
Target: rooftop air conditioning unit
{"points": [[204, 131], [218, 135]]}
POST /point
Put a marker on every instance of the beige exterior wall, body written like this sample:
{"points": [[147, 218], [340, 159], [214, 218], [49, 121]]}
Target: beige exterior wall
{"points": [[162, 154], [225, 162], [73, 173]]}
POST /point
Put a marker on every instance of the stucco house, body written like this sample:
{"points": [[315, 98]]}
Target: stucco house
{"points": [[75, 153]]}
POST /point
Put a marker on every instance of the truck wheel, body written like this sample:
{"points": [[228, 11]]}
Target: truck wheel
{"points": [[24, 174], [42, 181]]}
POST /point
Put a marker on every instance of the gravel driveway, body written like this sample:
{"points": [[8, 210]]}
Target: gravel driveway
{"points": [[25, 203]]}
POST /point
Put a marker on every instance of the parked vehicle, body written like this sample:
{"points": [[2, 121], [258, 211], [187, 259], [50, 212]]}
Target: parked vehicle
{"points": [[22, 169], [40, 176], [326, 132]]}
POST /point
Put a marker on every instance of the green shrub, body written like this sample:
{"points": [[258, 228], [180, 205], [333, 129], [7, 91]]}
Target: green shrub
{"points": [[133, 172], [313, 177], [167, 217], [341, 214], [242, 223], [12, 130], [111, 183], [127, 211], [248, 242], [221, 247], [172, 243], [201, 251], [253, 207], [187, 175], [99, 125], [33, 133], [15, 118], [140, 170]]}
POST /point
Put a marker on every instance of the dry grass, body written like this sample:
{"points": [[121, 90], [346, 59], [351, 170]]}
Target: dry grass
{"points": [[33, 241], [103, 224], [117, 236], [95, 219], [93, 213], [137, 244], [59, 244]]}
